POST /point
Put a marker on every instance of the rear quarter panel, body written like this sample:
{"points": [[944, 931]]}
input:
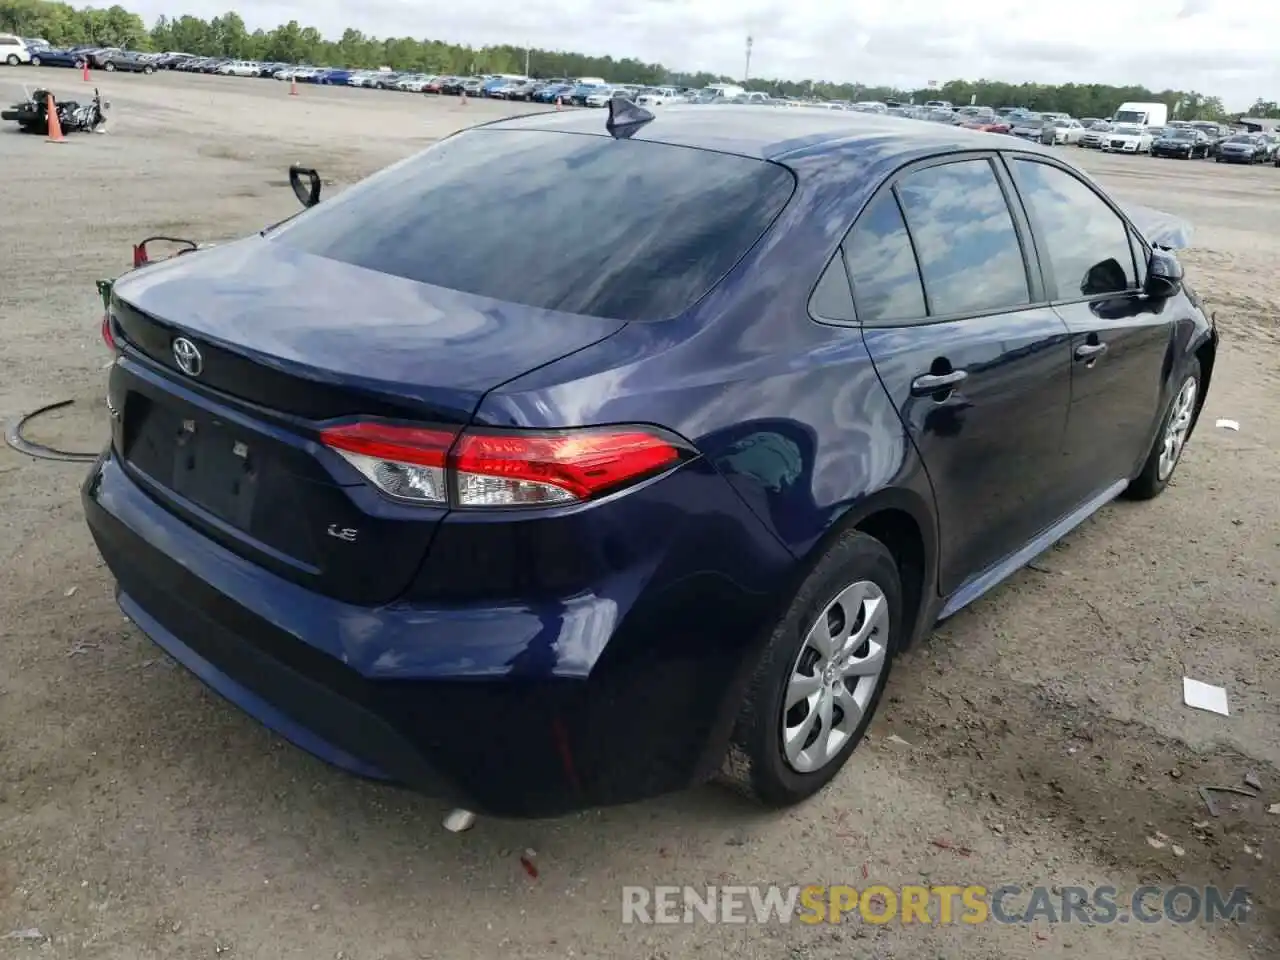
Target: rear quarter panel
{"points": [[789, 411]]}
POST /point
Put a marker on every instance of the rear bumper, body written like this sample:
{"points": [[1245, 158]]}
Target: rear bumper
{"points": [[469, 707]]}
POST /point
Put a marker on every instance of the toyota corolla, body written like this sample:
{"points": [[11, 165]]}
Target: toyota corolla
{"points": [[547, 532]]}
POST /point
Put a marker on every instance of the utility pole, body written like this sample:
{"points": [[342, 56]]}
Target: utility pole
{"points": [[746, 75], [526, 61]]}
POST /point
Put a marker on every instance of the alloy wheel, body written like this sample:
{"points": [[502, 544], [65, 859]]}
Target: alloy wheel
{"points": [[840, 665], [1175, 434]]}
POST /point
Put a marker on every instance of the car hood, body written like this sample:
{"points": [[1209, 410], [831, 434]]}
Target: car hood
{"points": [[1160, 229]]}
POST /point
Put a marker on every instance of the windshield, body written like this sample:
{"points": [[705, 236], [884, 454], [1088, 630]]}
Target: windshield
{"points": [[1030, 119], [1179, 135], [1128, 130], [645, 229], [1131, 116], [1240, 138]]}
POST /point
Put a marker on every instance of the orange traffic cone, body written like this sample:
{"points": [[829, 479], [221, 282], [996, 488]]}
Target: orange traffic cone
{"points": [[293, 86], [55, 126], [85, 71]]}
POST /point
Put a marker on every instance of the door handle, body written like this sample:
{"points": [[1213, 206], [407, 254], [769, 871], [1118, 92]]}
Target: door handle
{"points": [[1087, 351], [937, 382]]}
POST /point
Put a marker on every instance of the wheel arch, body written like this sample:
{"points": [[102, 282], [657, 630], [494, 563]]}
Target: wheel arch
{"points": [[1206, 351], [904, 522]]}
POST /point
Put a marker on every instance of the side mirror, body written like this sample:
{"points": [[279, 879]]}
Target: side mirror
{"points": [[1164, 275], [306, 185]]}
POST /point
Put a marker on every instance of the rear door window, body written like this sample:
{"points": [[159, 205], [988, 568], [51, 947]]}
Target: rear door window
{"points": [[964, 236], [624, 229]]}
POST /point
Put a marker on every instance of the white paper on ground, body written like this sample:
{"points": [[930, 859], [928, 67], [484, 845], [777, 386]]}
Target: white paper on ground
{"points": [[1228, 424], [1205, 696]]}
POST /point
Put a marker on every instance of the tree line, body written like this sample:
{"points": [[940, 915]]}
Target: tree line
{"points": [[64, 25]]}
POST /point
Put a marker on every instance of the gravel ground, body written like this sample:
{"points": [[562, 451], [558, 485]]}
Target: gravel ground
{"points": [[1045, 738]]}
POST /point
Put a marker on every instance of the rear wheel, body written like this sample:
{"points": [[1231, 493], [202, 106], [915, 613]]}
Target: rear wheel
{"points": [[35, 61], [148, 70], [1166, 451], [109, 67], [13, 60], [820, 675]]}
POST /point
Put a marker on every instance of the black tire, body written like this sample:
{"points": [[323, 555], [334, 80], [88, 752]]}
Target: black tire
{"points": [[1148, 484], [35, 61], [109, 67], [13, 60], [148, 70], [755, 764]]}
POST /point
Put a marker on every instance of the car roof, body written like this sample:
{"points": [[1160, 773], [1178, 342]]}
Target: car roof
{"points": [[772, 134]]}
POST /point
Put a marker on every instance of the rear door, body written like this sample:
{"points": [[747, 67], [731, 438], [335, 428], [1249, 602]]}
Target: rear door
{"points": [[1121, 342], [948, 296]]}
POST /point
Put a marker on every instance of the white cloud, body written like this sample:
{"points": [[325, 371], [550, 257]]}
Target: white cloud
{"points": [[1221, 47]]}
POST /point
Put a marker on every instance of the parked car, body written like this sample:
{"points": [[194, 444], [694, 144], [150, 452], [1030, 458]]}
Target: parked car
{"points": [[1095, 135], [413, 82], [600, 96], [578, 95], [1270, 142], [127, 61], [14, 50], [1127, 138], [52, 57], [1028, 126], [1061, 130], [1241, 148], [514, 90], [553, 92], [1184, 142], [421, 531], [239, 68], [990, 124]]}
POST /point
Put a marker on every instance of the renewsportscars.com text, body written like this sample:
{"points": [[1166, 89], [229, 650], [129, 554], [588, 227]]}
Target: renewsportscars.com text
{"points": [[973, 904]]}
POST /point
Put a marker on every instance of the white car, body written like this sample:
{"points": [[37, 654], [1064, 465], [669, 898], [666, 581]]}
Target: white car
{"points": [[660, 96], [601, 98], [414, 84], [1127, 138], [239, 68], [1061, 130], [362, 78], [13, 50]]}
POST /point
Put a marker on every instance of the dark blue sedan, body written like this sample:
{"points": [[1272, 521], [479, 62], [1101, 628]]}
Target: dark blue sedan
{"points": [[50, 57], [540, 533]]}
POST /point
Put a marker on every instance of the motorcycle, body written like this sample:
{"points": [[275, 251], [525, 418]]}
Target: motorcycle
{"points": [[32, 114]]}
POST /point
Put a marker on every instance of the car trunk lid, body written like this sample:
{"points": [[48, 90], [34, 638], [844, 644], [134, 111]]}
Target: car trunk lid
{"points": [[287, 341]]}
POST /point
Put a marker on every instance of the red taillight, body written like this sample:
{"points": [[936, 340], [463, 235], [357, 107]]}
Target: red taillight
{"points": [[490, 468], [108, 337]]}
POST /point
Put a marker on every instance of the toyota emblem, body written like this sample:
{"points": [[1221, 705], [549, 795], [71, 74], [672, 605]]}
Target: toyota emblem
{"points": [[187, 356]]}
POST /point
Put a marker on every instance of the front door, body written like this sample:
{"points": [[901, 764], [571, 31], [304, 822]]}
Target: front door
{"points": [[1121, 341], [980, 377]]}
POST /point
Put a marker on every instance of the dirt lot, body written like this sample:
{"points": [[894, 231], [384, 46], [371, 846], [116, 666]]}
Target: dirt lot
{"points": [[1045, 739]]}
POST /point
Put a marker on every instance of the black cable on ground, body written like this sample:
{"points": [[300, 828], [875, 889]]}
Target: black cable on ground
{"points": [[14, 438]]}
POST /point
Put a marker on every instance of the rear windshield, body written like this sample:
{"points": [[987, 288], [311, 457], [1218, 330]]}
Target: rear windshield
{"points": [[624, 229]]}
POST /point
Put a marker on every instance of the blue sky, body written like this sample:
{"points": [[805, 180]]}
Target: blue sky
{"points": [[1222, 47]]}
